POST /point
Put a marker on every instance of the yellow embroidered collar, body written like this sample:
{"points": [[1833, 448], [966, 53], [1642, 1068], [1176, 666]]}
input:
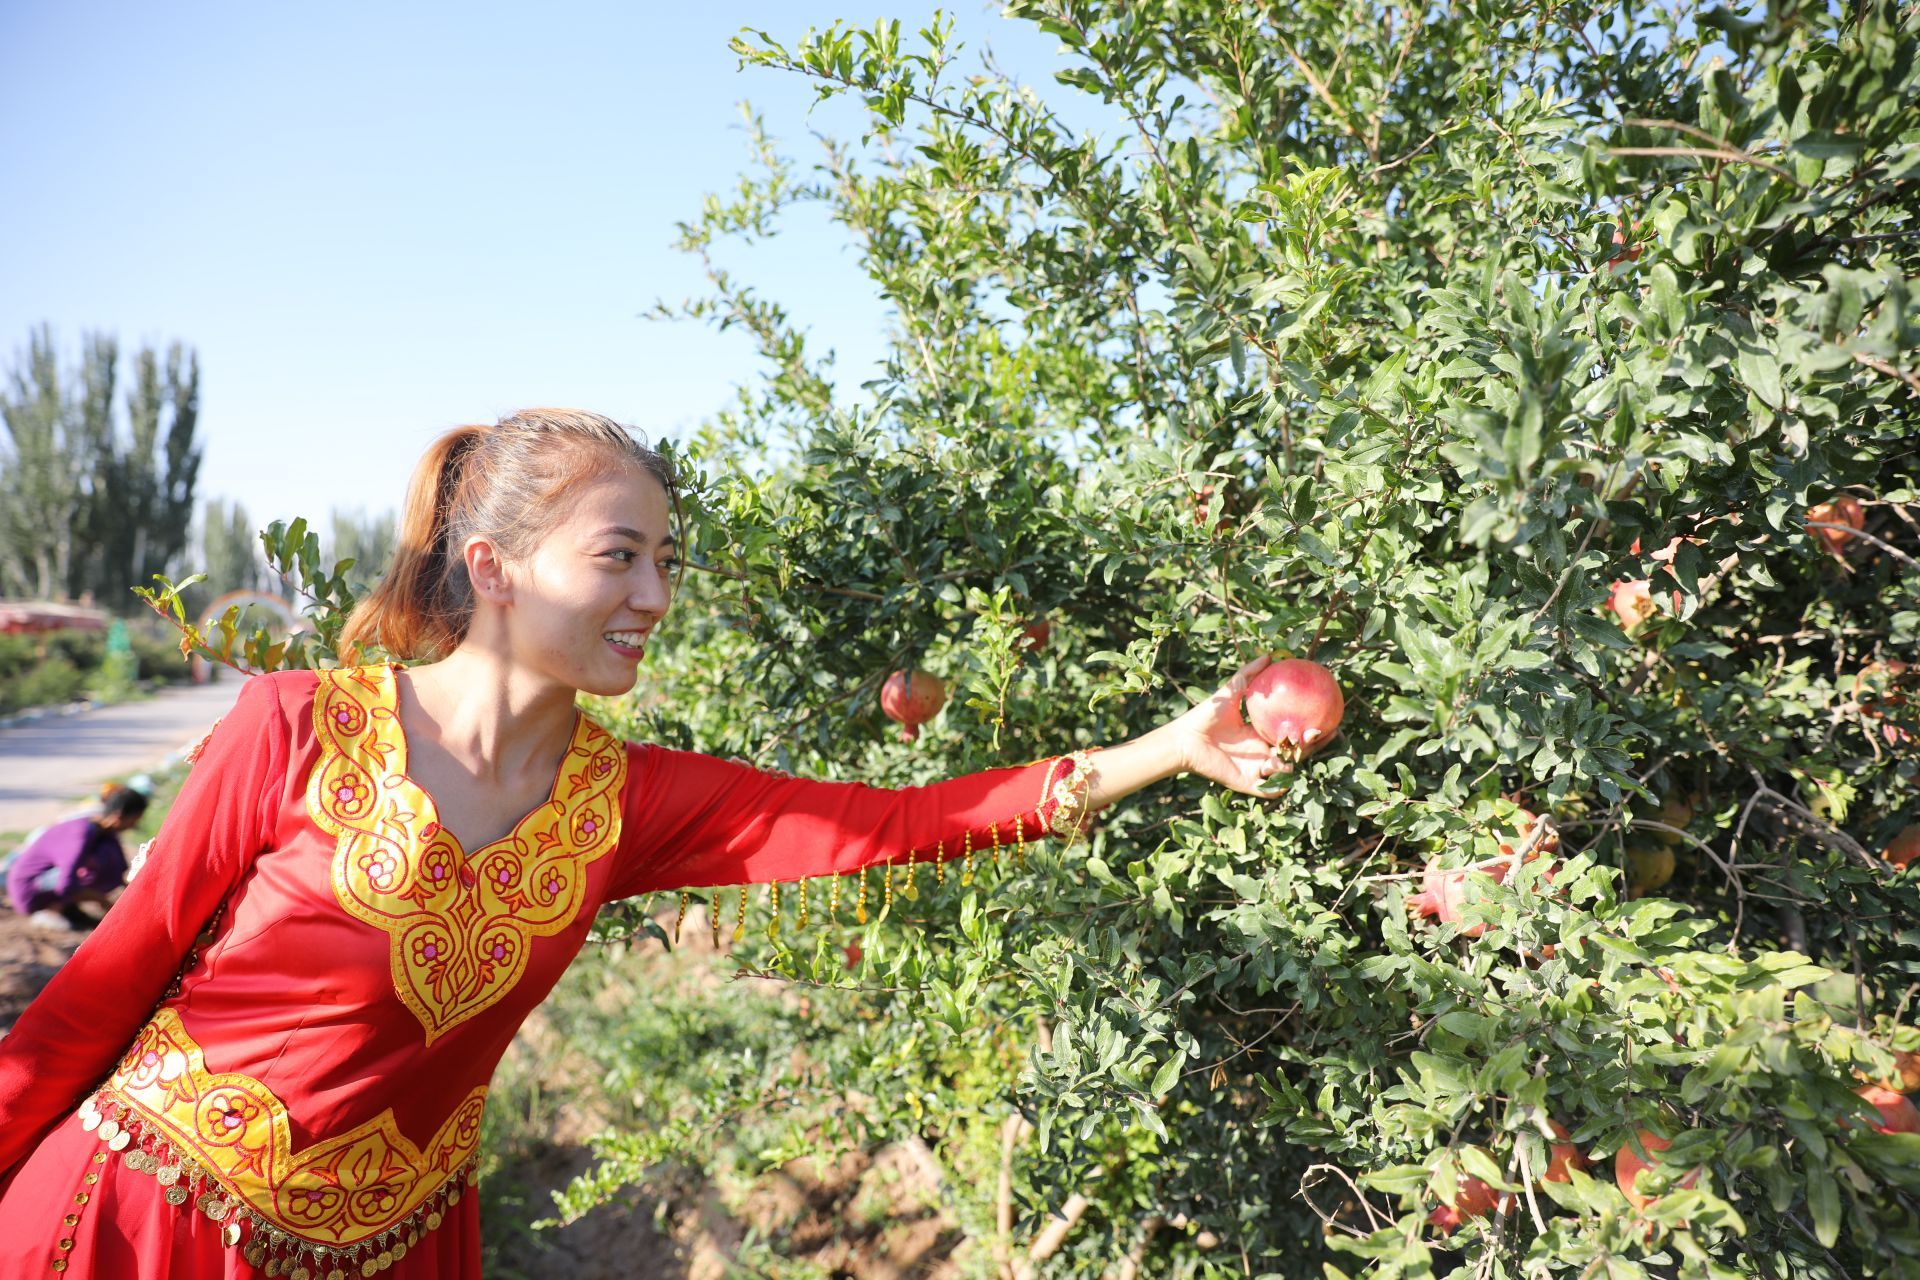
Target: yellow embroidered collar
{"points": [[460, 921]]}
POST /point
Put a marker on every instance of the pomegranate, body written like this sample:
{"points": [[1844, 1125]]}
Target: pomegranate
{"points": [[1562, 1156], [1675, 811], [1445, 893], [1295, 705], [1528, 819], [1897, 1114], [1648, 868], [1036, 634], [1202, 499], [1632, 603], [1627, 252], [1843, 510], [1880, 689], [1906, 1073], [1471, 1199], [1627, 1166], [1905, 847], [912, 701]]}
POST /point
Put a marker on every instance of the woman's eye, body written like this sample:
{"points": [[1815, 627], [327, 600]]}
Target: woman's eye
{"points": [[629, 556], [670, 563]]}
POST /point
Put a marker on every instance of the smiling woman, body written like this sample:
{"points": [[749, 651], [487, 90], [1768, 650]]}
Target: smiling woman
{"points": [[273, 1057]]}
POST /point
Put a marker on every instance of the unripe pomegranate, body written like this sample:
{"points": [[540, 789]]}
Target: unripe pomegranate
{"points": [[912, 701], [1897, 1114], [1675, 811], [1295, 705], [1846, 510], [1627, 1166], [1562, 1156], [1905, 847], [1648, 868]]}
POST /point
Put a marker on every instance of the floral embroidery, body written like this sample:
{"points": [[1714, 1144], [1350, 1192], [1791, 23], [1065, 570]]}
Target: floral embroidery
{"points": [[460, 922], [338, 1192]]}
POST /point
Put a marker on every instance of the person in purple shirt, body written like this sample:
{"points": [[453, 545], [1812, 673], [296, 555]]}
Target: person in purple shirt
{"points": [[75, 861]]}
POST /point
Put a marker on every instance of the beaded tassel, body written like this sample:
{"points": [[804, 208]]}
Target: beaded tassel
{"points": [[803, 904], [860, 913], [886, 899], [1020, 841], [773, 920], [681, 918], [940, 862], [713, 916], [994, 828], [913, 864], [966, 875], [740, 921]]}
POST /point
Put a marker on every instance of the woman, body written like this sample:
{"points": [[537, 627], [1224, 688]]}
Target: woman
{"points": [[273, 1056], [75, 861]]}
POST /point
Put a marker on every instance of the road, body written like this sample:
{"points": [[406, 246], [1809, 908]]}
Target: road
{"points": [[46, 767]]}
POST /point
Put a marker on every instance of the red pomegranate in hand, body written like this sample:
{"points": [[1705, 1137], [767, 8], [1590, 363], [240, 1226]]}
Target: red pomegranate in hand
{"points": [[1843, 510], [1296, 706], [912, 700]]}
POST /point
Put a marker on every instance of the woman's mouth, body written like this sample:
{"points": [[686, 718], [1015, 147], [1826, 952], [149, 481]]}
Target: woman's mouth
{"points": [[628, 644]]}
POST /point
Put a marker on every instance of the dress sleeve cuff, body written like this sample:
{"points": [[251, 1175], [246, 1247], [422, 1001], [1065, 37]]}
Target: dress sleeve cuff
{"points": [[1065, 793]]}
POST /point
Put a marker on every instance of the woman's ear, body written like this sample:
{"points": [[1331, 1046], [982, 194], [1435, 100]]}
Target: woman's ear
{"points": [[487, 571]]}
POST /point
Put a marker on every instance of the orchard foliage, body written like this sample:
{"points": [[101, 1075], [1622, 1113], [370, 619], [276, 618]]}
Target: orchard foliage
{"points": [[1392, 337], [1388, 336]]}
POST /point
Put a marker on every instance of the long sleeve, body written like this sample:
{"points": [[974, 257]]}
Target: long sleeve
{"points": [[70, 1036], [690, 819]]}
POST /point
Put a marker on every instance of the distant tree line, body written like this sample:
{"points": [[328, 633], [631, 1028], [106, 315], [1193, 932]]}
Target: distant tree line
{"points": [[90, 505], [97, 488]]}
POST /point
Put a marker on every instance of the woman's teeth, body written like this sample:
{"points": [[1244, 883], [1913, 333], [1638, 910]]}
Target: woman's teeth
{"points": [[631, 639]]}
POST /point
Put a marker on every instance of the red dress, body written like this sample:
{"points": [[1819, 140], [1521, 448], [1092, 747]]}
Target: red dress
{"points": [[272, 1056]]}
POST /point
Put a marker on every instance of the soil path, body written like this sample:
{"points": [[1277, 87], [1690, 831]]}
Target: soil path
{"points": [[48, 765]]}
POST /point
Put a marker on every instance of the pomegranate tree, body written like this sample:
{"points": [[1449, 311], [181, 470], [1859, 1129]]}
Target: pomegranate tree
{"points": [[1473, 1199], [912, 700], [1295, 705]]}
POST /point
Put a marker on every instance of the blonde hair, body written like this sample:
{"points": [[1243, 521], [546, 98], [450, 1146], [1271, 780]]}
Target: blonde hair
{"points": [[503, 482]]}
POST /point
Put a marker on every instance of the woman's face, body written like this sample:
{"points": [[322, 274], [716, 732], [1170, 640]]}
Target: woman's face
{"points": [[583, 604]]}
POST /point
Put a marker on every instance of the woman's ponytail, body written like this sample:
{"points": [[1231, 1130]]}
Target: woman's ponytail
{"points": [[421, 607]]}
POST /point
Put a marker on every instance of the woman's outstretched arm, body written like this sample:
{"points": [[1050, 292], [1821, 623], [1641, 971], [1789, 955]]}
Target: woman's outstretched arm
{"points": [[694, 820]]}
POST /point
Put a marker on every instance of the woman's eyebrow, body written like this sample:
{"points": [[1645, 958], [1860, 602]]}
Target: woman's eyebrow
{"points": [[621, 531]]}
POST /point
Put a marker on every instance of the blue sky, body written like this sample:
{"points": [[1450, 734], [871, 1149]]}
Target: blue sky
{"points": [[376, 221]]}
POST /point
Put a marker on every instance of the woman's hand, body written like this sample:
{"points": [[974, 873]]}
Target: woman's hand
{"points": [[1215, 740]]}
